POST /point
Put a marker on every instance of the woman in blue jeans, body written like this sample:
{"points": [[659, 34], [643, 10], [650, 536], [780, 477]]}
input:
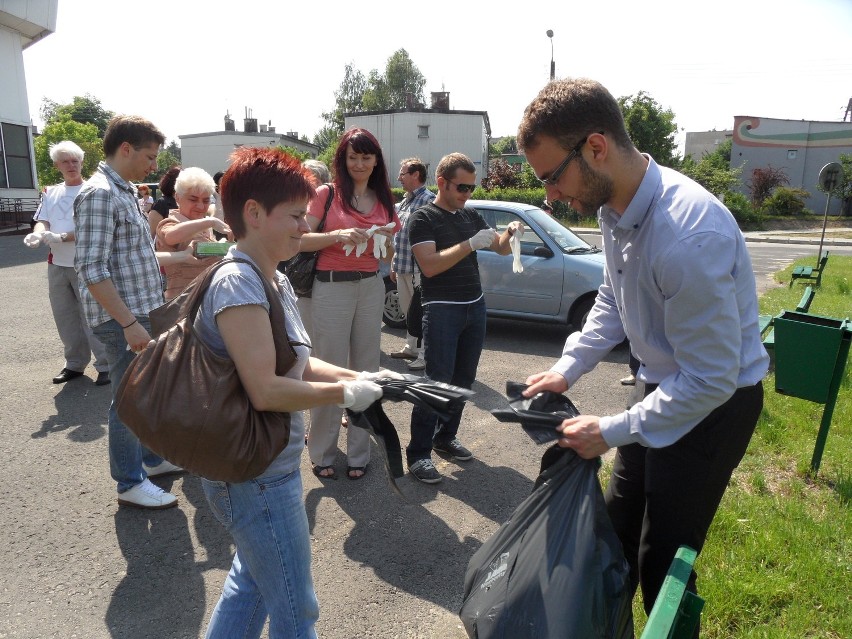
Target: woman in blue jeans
{"points": [[265, 195]]}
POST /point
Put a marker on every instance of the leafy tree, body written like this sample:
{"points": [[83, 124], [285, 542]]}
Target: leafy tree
{"points": [[651, 128], [401, 85], [174, 148], [348, 98], [845, 191], [506, 144], [296, 153], [501, 175], [327, 138], [764, 181], [62, 128], [713, 171], [165, 160], [86, 110]]}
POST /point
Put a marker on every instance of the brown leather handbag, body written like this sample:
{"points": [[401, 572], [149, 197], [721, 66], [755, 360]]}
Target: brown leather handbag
{"points": [[187, 404]]}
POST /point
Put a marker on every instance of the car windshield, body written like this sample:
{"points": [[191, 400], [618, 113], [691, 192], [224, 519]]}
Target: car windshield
{"points": [[565, 238]]}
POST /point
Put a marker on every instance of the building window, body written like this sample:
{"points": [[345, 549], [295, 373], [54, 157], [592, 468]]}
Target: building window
{"points": [[16, 170], [423, 131], [792, 153]]}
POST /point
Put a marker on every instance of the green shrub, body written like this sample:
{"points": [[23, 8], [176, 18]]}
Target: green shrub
{"points": [[785, 201], [740, 206]]}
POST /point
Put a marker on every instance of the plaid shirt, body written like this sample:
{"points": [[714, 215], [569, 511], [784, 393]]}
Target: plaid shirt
{"points": [[403, 261], [114, 242]]}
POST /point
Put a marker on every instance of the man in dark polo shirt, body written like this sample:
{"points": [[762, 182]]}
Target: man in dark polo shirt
{"points": [[444, 239]]}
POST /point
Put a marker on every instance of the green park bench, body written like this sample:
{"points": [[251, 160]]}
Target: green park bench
{"points": [[810, 272], [765, 321], [676, 611]]}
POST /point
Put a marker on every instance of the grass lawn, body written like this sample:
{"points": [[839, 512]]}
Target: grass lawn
{"points": [[778, 559]]}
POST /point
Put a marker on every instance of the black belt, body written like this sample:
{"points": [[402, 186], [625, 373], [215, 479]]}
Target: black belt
{"points": [[344, 276]]}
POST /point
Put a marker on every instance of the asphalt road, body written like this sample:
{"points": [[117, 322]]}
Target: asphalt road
{"points": [[77, 566]]}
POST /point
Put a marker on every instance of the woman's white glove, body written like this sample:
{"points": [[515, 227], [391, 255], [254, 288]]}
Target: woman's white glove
{"points": [[33, 239], [49, 237], [380, 374], [483, 239], [359, 395]]}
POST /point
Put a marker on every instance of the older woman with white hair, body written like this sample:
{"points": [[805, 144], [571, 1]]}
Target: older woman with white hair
{"points": [[54, 227], [189, 223]]}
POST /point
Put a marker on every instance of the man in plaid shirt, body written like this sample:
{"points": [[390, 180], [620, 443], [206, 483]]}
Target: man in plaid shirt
{"points": [[119, 280], [412, 176]]}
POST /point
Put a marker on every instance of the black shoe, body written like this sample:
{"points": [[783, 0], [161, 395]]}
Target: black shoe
{"points": [[453, 448], [103, 378], [65, 375], [425, 471]]}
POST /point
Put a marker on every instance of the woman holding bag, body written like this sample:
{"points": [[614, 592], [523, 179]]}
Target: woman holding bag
{"points": [[265, 194], [348, 296]]}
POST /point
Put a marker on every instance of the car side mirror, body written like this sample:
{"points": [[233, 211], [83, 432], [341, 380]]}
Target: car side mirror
{"points": [[542, 251]]}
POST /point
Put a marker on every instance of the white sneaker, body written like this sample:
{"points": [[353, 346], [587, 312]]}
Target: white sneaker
{"points": [[417, 365], [406, 352], [163, 468], [147, 495]]}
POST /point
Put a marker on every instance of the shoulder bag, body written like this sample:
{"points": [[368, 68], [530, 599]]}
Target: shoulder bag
{"points": [[302, 267], [188, 405]]}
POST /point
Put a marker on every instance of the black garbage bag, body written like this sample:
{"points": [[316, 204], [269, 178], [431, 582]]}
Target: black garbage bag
{"points": [[556, 568], [438, 397], [539, 415]]}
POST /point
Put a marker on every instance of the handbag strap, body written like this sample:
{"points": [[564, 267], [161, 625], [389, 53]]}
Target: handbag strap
{"points": [[284, 351], [328, 202]]}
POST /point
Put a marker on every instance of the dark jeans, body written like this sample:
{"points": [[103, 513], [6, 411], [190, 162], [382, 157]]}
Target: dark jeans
{"points": [[661, 498], [453, 335]]}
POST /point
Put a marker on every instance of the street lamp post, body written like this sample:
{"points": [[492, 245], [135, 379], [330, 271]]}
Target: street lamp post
{"points": [[552, 63]]}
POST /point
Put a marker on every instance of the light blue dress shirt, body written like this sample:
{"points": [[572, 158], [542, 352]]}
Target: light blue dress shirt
{"points": [[679, 284]]}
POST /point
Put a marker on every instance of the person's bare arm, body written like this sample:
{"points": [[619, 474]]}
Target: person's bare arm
{"points": [[107, 296]]}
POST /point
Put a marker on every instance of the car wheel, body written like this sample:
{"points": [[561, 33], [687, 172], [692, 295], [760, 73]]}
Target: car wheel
{"points": [[392, 315], [580, 312]]}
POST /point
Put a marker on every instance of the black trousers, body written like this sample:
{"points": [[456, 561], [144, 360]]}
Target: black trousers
{"points": [[661, 498]]}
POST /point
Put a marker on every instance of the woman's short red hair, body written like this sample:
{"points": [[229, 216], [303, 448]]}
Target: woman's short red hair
{"points": [[266, 175]]}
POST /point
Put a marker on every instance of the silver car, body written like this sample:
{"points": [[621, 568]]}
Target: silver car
{"points": [[561, 273]]}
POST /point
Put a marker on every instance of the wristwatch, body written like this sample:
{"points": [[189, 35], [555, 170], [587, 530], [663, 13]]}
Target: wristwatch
{"points": [[63, 236]]}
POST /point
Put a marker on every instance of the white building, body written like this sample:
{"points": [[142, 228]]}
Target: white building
{"points": [[22, 23], [701, 143], [428, 134], [210, 151], [800, 148]]}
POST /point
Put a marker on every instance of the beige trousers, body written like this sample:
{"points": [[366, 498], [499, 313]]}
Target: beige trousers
{"points": [[347, 332]]}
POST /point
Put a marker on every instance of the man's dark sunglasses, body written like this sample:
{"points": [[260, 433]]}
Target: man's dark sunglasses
{"points": [[553, 178], [463, 188]]}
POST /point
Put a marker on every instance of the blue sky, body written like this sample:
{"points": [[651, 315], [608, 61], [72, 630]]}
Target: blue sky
{"points": [[185, 64]]}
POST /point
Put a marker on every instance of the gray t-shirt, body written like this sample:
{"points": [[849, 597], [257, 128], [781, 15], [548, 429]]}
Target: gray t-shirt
{"points": [[238, 285]]}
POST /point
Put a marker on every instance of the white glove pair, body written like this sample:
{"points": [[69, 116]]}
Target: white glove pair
{"points": [[483, 239], [32, 240], [379, 242], [359, 394]]}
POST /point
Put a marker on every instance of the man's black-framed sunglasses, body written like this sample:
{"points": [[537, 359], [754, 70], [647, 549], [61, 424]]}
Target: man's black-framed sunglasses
{"points": [[463, 188], [553, 178]]}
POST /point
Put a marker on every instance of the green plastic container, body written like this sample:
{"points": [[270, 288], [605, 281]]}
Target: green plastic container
{"points": [[212, 249], [806, 352]]}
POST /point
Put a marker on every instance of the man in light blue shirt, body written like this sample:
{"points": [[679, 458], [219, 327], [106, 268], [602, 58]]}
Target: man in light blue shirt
{"points": [[679, 285]]}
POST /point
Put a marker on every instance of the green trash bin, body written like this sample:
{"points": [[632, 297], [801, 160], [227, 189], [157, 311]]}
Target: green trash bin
{"points": [[806, 352]]}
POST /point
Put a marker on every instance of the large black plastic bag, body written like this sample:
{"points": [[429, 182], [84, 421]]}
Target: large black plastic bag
{"points": [[556, 568]]}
